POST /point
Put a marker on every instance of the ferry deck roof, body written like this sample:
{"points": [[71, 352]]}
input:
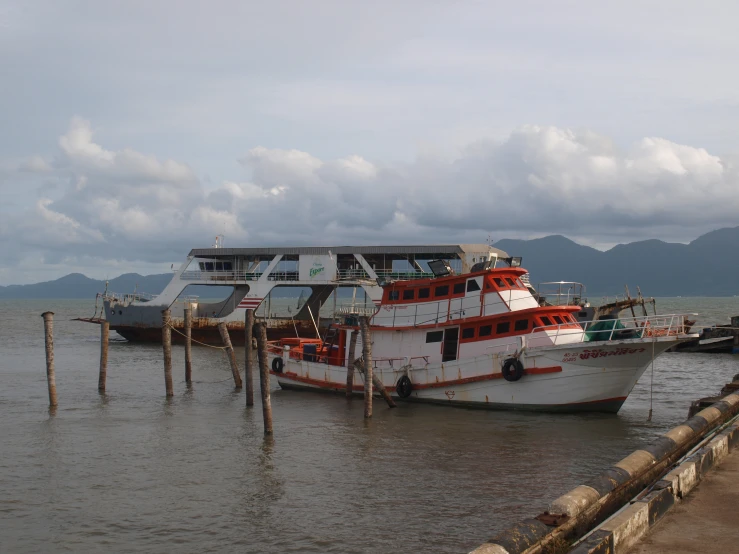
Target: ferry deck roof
{"points": [[431, 250]]}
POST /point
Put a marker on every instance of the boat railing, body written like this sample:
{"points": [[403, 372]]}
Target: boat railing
{"points": [[222, 276], [360, 273], [641, 327], [357, 310], [561, 293], [126, 298], [444, 312], [402, 363], [511, 346]]}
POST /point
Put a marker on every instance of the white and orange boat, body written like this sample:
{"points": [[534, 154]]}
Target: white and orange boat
{"points": [[481, 339]]}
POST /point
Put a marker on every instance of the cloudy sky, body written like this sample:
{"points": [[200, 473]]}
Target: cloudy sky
{"points": [[133, 131]]}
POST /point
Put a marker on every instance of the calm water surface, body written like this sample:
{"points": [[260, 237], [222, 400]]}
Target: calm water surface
{"points": [[132, 471]]}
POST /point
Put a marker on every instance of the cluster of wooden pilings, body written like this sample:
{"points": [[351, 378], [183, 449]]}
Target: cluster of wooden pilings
{"points": [[256, 337]]}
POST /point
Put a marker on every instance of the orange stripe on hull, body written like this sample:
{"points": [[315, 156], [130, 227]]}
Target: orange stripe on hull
{"points": [[331, 385]]}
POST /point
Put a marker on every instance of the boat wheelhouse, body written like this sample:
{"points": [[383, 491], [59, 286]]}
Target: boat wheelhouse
{"points": [[482, 339]]}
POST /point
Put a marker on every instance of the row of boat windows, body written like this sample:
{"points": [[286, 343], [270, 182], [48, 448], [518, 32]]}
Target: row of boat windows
{"points": [[216, 266], [441, 291], [504, 327]]}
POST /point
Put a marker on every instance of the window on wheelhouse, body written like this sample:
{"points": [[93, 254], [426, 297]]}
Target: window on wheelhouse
{"points": [[424, 293], [393, 295], [472, 285], [486, 330], [409, 294], [502, 328], [434, 336], [468, 333], [442, 290], [557, 319], [510, 282], [546, 321], [458, 288], [521, 325], [500, 282]]}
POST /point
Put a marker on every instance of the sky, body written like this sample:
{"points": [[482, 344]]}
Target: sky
{"points": [[131, 131]]}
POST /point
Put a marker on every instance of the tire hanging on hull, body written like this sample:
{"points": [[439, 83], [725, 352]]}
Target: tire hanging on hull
{"points": [[512, 370]]}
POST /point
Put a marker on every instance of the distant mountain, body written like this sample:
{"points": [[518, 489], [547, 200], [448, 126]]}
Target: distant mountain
{"points": [[705, 267], [76, 285]]}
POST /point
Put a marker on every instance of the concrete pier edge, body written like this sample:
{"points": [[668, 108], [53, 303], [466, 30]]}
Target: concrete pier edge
{"points": [[621, 532], [583, 508]]}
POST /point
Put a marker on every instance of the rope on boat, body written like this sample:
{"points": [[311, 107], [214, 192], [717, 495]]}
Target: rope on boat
{"points": [[196, 341]]}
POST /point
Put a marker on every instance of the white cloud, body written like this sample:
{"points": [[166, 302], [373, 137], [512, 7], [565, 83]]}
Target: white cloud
{"points": [[116, 205]]}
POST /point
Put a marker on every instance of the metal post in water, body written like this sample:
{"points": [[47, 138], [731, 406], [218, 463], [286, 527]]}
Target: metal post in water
{"points": [[249, 356], [264, 377], [367, 355], [104, 334], [188, 344], [49, 340], [167, 348], [230, 352], [350, 364]]}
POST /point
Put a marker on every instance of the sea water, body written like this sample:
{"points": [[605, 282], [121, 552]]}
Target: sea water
{"points": [[134, 471]]}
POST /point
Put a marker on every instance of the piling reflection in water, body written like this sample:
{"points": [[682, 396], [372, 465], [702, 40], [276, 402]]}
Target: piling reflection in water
{"points": [[133, 471]]}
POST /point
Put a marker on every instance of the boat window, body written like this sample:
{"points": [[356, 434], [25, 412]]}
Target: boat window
{"points": [[208, 266], [472, 285], [434, 336], [409, 294], [468, 333], [458, 288], [443, 290], [394, 295], [202, 266], [545, 320], [498, 281], [521, 325], [502, 328], [510, 281], [227, 266], [486, 330], [557, 319], [520, 284], [424, 293]]}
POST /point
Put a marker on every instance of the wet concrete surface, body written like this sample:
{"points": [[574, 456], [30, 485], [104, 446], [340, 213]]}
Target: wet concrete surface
{"points": [[706, 521]]}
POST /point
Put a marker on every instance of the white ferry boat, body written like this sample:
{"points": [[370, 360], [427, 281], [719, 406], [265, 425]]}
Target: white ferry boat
{"points": [[250, 276], [482, 339]]}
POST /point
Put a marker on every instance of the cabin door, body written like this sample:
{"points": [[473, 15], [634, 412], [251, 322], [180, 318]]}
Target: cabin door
{"points": [[450, 344]]}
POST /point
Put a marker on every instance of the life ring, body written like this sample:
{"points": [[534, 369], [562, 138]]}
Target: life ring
{"points": [[404, 387], [512, 370], [277, 365]]}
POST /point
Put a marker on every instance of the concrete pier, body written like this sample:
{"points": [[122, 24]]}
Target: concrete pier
{"points": [[706, 521]]}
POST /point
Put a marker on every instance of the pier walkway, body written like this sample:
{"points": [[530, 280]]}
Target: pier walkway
{"points": [[706, 521]]}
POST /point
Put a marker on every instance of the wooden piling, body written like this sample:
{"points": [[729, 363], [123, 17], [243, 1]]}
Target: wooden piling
{"points": [[188, 345], [104, 334], [367, 355], [230, 352], [377, 384], [264, 377], [350, 364], [249, 356], [49, 340], [167, 347]]}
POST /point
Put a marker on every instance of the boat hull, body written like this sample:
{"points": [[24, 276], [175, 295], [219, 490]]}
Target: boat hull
{"points": [[592, 377]]}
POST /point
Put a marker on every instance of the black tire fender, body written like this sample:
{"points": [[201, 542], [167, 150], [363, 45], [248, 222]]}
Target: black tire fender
{"points": [[277, 365], [512, 370], [404, 387]]}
